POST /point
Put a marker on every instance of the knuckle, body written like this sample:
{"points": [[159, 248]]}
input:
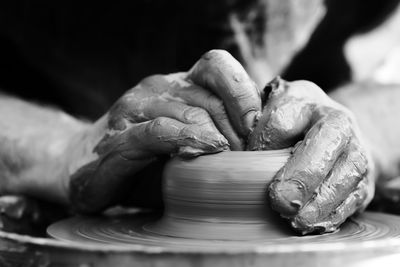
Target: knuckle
{"points": [[216, 54], [306, 88], [173, 77], [156, 125], [151, 80], [195, 114], [305, 91], [123, 103], [119, 112]]}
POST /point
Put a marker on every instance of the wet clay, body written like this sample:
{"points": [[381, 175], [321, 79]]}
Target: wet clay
{"points": [[220, 196], [216, 201], [330, 174], [129, 232]]}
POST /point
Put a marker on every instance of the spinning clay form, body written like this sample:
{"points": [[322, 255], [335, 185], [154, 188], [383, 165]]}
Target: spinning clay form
{"points": [[218, 202]]}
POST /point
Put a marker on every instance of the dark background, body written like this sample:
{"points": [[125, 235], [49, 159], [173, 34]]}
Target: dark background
{"points": [[82, 56]]}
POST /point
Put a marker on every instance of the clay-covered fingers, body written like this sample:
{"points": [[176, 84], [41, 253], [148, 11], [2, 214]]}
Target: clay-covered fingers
{"points": [[156, 99], [222, 74], [210, 109], [287, 114], [175, 97], [197, 96], [327, 178], [122, 154], [341, 193], [311, 162], [165, 135]]}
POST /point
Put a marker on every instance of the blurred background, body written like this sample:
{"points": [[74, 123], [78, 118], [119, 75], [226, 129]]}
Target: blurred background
{"points": [[81, 56]]}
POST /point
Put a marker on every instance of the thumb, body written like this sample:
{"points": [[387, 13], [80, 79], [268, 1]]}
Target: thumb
{"points": [[285, 118]]}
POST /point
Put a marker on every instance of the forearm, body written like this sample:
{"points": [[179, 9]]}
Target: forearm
{"points": [[376, 108], [39, 148]]}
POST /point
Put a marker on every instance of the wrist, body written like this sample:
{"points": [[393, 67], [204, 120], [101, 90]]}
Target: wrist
{"points": [[81, 149], [36, 157]]}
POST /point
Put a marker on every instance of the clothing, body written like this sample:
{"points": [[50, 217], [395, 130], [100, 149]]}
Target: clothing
{"points": [[81, 56]]}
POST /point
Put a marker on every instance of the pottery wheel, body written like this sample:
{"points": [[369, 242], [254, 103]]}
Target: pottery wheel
{"points": [[131, 230], [217, 201]]}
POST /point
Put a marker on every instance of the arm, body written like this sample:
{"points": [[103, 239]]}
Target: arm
{"points": [[48, 154], [376, 108], [36, 146]]}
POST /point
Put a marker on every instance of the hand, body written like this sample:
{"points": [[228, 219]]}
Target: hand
{"points": [[329, 177], [206, 110]]}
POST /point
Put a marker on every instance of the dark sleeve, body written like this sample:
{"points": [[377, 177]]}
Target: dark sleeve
{"points": [[82, 57]]}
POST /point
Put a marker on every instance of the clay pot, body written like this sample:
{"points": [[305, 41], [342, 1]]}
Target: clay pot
{"points": [[221, 196], [225, 191]]}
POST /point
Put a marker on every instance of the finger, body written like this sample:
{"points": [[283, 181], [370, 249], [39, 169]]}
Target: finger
{"points": [[197, 96], [123, 154], [163, 136], [346, 174], [165, 96], [181, 112], [219, 72], [287, 115], [347, 208], [195, 115], [311, 162], [132, 106], [155, 97]]}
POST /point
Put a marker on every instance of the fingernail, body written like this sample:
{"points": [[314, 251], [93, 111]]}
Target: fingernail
{"points": [[309, 221], [206, 142], [286, 198]]}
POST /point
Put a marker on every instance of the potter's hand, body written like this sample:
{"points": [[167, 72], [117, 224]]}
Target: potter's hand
{"points": [[329, 176], [206, 110]]}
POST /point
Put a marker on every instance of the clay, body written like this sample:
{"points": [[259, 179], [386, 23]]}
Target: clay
{"points": [[219, 196], [219, 72], [129, 232], [329, 165], [209, 109], [216, 207]]}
